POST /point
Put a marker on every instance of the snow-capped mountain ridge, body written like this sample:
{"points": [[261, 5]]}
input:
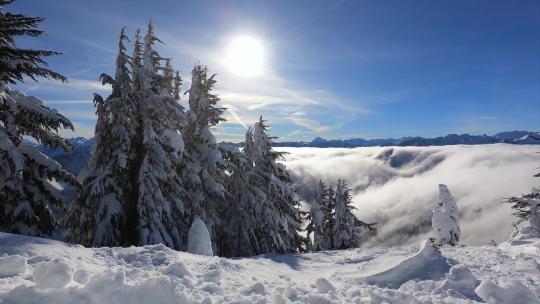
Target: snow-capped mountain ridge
{"points": [[511, 137]]}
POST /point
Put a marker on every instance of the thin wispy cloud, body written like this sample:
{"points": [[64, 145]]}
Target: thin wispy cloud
{"points": [[74, 84], [69, 101]]}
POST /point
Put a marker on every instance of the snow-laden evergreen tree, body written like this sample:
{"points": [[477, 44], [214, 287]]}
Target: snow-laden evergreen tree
{"points": [[317, 216], [328, 206], [347, 227], [281, 219], [134, 194], [240, 227], [527, 208], [100, 216], [29, 194], [445, 220], [205, 171], [161, 204]]}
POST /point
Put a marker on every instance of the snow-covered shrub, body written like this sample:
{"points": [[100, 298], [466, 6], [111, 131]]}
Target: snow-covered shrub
{"points": [[199, 239], [445, 220]]}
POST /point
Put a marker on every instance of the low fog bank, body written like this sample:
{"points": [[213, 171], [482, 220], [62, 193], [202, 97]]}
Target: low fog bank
{"points": [[397, 186]]}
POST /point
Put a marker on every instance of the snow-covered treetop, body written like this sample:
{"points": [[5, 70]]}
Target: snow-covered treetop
{"points": [[177, 84], [150, 59], [122, 84], [263, 143], [202, 101], [447, 201], [136, 61]]}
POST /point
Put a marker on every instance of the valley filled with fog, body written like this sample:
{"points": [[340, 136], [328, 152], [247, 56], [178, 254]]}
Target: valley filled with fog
{"points": [[397, 187]]}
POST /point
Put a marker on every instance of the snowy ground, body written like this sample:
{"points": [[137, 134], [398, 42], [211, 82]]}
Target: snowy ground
{"points": [[34, 270]]}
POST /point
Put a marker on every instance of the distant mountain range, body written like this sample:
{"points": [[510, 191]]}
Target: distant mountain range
{"points": [[78, 158], [513, 137]]}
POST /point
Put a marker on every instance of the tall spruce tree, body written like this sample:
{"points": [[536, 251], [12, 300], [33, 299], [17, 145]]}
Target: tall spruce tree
{"points": [[134, 194], [99, 217], [317, 216], [204, 174], [347, 227], [160, 205], [241, 227], [281, 219], [29, 198], [328, 221]]}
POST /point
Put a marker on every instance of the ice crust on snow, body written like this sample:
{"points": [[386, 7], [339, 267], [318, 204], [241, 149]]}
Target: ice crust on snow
{"points": [[62, 273]]}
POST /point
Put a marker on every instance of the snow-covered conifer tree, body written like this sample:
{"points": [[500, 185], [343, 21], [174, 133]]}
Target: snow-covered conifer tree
{"points": [[328, 221], [445, 220], [134, 194], [100, 216], [240, 227], [29, 197], [317, 216], [347, 227], [280, 216], [204, 173], [160, 209]]}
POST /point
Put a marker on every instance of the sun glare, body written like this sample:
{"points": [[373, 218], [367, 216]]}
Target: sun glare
{"points": [[245, 57]]}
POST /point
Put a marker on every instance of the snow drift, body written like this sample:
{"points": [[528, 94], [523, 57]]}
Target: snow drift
{"points": [[427, 264], [397, 187]]}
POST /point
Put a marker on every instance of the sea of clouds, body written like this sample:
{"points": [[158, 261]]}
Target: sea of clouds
{"points": [[397, 187]]}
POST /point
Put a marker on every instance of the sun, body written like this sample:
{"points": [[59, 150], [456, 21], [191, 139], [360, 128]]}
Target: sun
{"points": [[245, 57]]}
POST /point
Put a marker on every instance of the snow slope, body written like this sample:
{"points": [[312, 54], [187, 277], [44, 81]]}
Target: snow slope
{"points": [[34, 270]]}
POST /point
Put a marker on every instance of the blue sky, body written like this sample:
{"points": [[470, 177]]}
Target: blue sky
{"points": [[336, 69]]}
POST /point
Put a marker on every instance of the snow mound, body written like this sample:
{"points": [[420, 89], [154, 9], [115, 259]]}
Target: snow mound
{"points": [[53, 274], [12, 265], [427, 264], [324, 286], [509, 291], [460, 283], [199, 239], [257, 288]]}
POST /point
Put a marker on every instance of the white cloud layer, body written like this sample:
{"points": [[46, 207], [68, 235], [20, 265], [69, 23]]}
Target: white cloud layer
{"points": [[397, 186]]}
